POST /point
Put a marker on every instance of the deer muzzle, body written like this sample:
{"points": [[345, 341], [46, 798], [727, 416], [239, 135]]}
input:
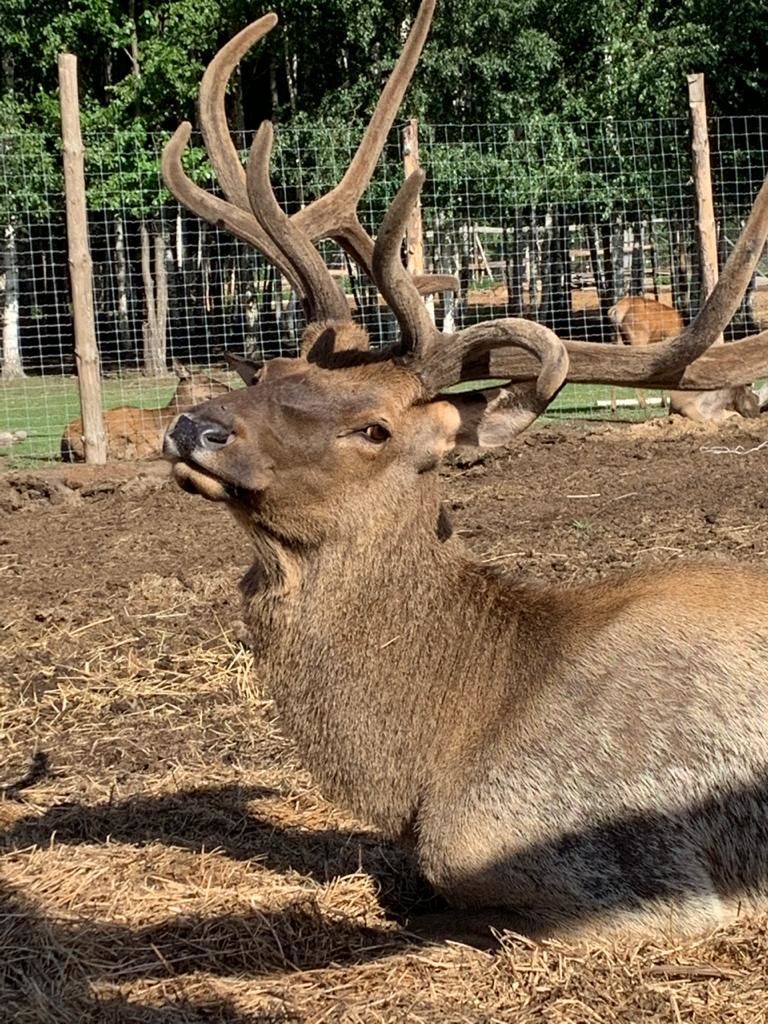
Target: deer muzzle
{"points": [[192, 443], [188, 436]]}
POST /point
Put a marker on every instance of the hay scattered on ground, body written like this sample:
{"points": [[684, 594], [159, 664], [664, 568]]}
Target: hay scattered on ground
{"points": [[163, 857]]}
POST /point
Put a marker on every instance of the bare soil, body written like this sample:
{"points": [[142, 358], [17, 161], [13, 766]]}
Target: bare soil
{"points": [[163, 856]]}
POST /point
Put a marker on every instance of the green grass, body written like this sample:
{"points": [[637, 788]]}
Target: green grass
{"points": [[42, 406], [580, 401]]}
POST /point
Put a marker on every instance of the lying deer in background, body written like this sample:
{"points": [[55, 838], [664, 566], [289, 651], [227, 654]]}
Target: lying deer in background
{"points": [[135, 433], [641, 321], [594, 756]]}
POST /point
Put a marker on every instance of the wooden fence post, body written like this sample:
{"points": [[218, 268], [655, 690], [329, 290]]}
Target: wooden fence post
{"points": [[414, 231], [80, 265], [702, 177]]}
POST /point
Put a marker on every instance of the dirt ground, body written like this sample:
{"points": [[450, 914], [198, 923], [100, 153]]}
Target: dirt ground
{"points": [[163, 856]]}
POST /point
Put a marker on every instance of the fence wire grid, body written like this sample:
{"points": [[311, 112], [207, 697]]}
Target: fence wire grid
{"points": [[553, 222]]}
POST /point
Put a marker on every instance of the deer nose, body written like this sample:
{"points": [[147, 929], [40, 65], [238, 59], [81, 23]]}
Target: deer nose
{"points": [[188, 435]]}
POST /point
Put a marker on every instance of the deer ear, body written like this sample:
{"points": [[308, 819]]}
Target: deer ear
{"points": [[490, 419], [247, 369], [320, 349]]}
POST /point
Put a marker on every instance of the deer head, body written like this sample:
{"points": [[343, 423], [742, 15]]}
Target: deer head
{"points": [[308, 434]]}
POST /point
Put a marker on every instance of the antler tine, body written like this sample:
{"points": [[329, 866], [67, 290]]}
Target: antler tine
{"points": [[440, 359], [213, 118], [725, 297], [215, 210], [447, 363], [334, 215], [325, 300], [363, 164], [418, 333]]}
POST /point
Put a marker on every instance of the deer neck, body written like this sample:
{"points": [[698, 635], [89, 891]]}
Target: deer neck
{"points": [[341, 634]]}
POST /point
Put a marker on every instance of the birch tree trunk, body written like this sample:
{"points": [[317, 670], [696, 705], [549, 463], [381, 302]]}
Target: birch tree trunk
{"points": [[681, 272], [654, 259], [637, 265], [123, 323], [156, 299], [535, 266], [617, 257], [12, 365], [596, 259], [514, 265]]}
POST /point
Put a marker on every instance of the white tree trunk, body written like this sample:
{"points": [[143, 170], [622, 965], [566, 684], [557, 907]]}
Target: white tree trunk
{"points": [[12, 366], [156, 298], [179, 242], [123, 325]]}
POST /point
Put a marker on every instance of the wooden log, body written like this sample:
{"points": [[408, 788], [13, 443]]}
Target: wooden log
{"points": [[80, 265], [414, 233]]}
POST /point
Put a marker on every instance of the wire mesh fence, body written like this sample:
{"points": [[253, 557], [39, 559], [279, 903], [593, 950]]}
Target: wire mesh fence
{"points": [[543, 220]]}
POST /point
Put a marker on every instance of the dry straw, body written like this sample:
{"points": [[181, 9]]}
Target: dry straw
{"points": [[165, 860]]}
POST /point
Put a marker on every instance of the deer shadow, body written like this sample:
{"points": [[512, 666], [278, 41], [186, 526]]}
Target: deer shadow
{"points": [[224, 818], [638, 845], [50, 966], [53, 964]]}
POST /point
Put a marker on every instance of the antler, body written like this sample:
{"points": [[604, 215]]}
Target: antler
{"points": [[296, 247], [440, 359], [251, 213], [686, 363], [509, 348]]}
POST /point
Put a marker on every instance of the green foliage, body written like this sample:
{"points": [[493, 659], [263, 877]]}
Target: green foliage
{"points": [[530, 65], [29, 169]]}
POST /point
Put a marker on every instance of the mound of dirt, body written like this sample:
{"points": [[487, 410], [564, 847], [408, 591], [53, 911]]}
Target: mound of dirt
{"points": [[73, 484]]}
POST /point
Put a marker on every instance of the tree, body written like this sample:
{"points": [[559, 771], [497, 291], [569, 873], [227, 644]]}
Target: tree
{"points": [[30, 178]]}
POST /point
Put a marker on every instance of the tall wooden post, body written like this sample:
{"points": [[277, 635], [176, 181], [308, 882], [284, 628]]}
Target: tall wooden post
{"points": [[702, 177], [414, 230], [80, 265]]}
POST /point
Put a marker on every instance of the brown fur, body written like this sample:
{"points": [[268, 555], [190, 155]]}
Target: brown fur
{"points": [[134, 433], [641, 321], [573, 759]]}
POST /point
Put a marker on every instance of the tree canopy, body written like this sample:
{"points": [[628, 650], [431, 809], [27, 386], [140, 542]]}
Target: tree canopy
{"points": [[486, 60], [534, 66]]}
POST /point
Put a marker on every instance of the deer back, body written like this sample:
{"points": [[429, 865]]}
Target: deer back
{"points": [[641, 321]]}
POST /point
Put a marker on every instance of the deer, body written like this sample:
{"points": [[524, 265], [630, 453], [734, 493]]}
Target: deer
{"points": [[590, 759], [642, 321], [136, 433]]}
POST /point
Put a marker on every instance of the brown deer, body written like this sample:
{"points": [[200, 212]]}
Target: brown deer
{"points": [[557, 759], [135, 433], [641, 321]]}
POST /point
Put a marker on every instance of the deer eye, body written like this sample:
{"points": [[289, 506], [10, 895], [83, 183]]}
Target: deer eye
{"points": [[377, 433]]}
